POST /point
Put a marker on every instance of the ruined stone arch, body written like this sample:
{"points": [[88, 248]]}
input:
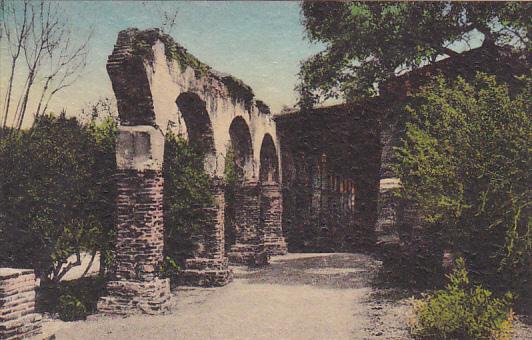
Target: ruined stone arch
{"points": [[161, 87], [240, 141], [269, 163], [270, 214], [198, 126]]}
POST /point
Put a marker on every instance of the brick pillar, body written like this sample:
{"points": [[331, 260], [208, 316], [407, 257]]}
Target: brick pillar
{"points": [[18, 319], [135, 285], [248, 248], [210, 268], [271, 214]]}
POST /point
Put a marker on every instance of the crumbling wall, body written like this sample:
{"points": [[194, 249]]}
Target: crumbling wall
{"points": [[161, 87]]}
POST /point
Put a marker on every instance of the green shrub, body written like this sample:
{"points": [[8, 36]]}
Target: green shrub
{"points": [[57, 194], [71, 308], [465, 164], [68, 298], [462, 311], [186, 192], [232, 175]]}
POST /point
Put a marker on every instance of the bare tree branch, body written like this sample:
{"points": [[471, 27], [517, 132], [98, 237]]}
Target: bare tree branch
{"points": [[20, 35], [58, 274], [40, 38], [167, 16], [66, 64]]}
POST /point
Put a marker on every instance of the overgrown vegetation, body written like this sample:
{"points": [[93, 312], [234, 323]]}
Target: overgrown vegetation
{"points": [[465, 164], [70, 308], [176, 52], [233, 176], [186, 192], [58, 196], [238, 91], [462, 311], [142, 46]]}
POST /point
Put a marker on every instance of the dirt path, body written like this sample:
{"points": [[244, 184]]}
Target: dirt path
{"points": [[299, 296]]}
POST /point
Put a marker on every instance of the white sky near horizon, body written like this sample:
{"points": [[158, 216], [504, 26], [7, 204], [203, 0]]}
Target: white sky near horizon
{"points": [[261, 43]]}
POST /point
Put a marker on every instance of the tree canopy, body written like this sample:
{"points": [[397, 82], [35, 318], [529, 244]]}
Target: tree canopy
{"points": [[367, 42]]}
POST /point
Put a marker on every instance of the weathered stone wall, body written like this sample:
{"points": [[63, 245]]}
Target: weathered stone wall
{"points": [[271, 218], [140, 224], [209, 268], [392, 131], [160, 87], [18, 319], [149, 72], [247, 218], [330, 160], [389, 203]]}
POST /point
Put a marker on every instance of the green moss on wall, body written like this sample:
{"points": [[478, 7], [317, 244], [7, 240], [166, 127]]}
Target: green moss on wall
{"points": [[238, 91], [176, 52], [142, 42], [263, 108]]}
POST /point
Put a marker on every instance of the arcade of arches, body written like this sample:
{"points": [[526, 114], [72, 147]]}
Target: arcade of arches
{"points": [[297, 173]]}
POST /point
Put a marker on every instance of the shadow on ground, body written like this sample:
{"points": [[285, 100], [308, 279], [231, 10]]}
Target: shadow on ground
{"points": [[71, 300], [341, 271]]}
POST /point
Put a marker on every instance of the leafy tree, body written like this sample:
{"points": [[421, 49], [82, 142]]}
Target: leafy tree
{"points": [[366, 42], [56, 194], [104, 134], [186, 191], [465, 163]]}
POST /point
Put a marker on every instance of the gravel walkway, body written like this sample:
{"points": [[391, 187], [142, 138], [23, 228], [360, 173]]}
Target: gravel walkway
{"points": [[299, 296]]}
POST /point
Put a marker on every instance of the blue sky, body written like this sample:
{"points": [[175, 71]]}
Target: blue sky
{"points": [[261, 43]]}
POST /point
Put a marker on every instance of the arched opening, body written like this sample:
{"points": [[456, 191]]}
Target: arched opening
{"points": [[269, 164], [187, 167], [240, 145], [199, 127], [238, 169], [270, 218]]}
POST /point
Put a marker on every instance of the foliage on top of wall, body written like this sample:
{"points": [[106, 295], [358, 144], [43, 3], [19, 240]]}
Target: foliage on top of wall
{"points": [[238, 91], [142, 42], [176, 52], [263, 108]]}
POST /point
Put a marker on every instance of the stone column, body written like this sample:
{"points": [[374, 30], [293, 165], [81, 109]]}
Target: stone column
{"points": [[271, 214], [210, 267], [18, 319], [248, 246], [135, 285]]}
